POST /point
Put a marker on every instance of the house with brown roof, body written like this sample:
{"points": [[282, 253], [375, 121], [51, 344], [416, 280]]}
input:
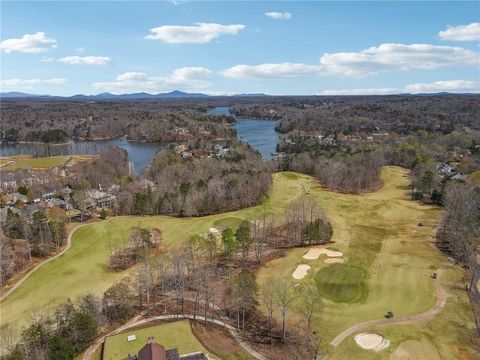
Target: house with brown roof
{"points": [[154, 351]]}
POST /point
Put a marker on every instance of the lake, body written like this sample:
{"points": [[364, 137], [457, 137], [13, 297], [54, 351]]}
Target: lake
{"points": [[139, 153], [260, 134]]}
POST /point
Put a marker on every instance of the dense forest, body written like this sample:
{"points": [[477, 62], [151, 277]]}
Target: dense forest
{"points": [[206, 184], [401, 114], [57, 121]]}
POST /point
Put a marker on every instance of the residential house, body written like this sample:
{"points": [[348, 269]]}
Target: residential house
{"points": [[101, 199], [60, 203], [444, 168], [48, 193], [154, 351], [16, 198]]}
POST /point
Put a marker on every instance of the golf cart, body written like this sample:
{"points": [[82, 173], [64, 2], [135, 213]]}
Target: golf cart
{"points": [[388, 315]]}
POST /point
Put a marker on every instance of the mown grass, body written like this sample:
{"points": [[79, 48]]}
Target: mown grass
{"points": [[173, 335], [230, 222], [341, 283], [33, 163], [379, 233], [84, 267]]}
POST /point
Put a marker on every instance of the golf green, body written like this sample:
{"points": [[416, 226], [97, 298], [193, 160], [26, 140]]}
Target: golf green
{"points": [[341, 283]]}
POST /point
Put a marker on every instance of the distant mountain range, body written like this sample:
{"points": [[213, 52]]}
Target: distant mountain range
{"points": [[109, 96], [176, 94]]}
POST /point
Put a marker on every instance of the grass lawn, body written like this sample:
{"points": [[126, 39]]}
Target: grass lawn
{"points": [[40, 163], [83, 268], [378, 233], [35, 163], [173, 335], [341, 283]]}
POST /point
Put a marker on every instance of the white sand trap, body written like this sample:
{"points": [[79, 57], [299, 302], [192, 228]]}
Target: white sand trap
{"points": [[314, 253], [214, 230], [374, 342], [333, 261], [301, 271]]}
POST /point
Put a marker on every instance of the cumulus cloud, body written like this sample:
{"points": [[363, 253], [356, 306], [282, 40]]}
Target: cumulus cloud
{"points": [[186, 78], [25, 84], [279, 15], [199, 33], [367, 91], [437, 86], [385, 57], [272, 71], [85, 60], [391, 57], [29, 43], [448, 85], [470, 32]]}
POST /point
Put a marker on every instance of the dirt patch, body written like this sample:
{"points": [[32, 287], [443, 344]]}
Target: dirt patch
{"points": [[374, 342], [333, 261], [301, 271], [219, 342], [315, 252]]}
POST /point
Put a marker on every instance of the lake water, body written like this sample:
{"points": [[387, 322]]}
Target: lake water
{"points": [[139, 153], [260, 134]]}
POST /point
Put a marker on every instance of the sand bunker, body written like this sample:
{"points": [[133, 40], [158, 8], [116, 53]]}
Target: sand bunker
{"points": [[315, 252], [214, 230], [301, 271], [374, 342], [333, 261]]}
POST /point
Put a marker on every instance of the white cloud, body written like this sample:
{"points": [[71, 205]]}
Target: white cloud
{"points": [[394, 57], [437, 86], [470, 32], [25, 84], [80, 49], [448, 85], [279, 15], [385, 57], [47, 59], [186, 78], [199, 33], [272, 71], [29, 43], [85, 60], [368, 91]]}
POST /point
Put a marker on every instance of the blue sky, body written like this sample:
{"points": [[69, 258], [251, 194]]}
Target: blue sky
{"points": [[65, 48]]}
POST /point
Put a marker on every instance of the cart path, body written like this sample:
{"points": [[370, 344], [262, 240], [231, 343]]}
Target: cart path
{"points": [[39, 265], [136, 322], [441, 296]]}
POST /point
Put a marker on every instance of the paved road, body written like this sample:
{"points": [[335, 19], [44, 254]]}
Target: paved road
{"points": [[439, 304], [136, 322]]}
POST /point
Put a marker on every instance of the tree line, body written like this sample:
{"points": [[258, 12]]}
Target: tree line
{"points": [[211, 275]]}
